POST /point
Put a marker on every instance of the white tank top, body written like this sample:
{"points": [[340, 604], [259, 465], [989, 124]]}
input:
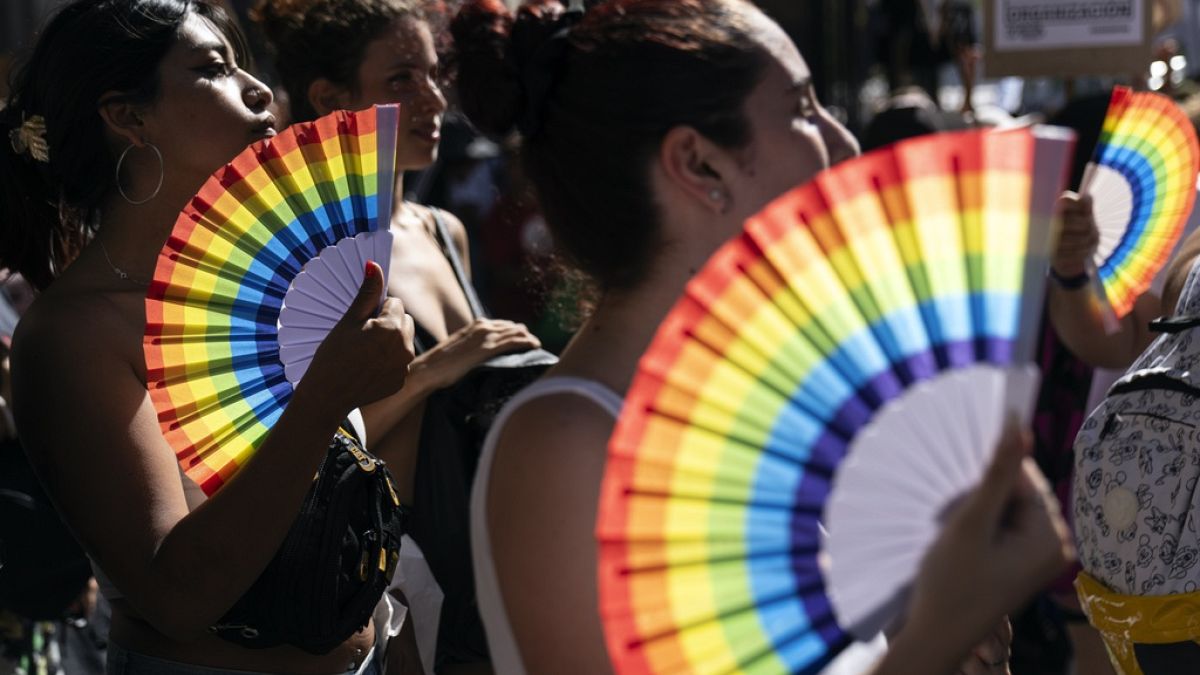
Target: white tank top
{"points": [[506, 658]]}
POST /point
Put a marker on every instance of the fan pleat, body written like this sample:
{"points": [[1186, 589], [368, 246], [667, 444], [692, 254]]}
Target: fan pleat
{"points": [[934, 236], [303, 318], [696, 477], [207, 404], [827, 320], [858, 242], [745, 364], [655, 554], [723, 629]]}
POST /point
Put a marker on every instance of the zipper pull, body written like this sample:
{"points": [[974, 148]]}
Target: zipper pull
{"points": [[364, 462]]}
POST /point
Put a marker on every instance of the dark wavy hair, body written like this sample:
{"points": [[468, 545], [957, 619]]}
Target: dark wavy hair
{"points": [[596, 108], [88, 48], [313, 39]]}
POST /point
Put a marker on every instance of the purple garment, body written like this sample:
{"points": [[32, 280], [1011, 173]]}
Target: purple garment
{"points": [[1061, 409]]}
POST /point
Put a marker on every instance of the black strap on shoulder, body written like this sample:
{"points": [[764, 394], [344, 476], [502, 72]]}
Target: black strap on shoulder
{"points": [[1174, 324], [451, 252]]}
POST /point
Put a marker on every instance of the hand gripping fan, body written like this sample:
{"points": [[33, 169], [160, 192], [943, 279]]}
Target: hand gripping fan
{"points": [[1142, 180], [260, 265], [884, 310]]}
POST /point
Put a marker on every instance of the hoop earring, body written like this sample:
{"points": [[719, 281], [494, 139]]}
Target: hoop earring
{"points": [[161, 174]]}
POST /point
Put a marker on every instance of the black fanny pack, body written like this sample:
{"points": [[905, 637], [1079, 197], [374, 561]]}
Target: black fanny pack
{"points": [[336, 562]]}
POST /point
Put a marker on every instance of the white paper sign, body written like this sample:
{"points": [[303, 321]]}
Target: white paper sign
{"points": [[1066, 24]]}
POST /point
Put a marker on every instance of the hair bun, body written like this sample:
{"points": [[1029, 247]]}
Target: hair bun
{"points": [[280, 18], [489, 86], [492, 51]]}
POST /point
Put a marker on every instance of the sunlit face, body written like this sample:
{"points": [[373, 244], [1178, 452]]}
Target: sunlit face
{"points": [[401, 66], [208, 108], [792, 136]]}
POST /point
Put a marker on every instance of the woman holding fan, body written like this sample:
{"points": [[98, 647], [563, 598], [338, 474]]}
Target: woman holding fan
{"points": [[714, 111], [350, 54], [1135, 456], [122, 111]]}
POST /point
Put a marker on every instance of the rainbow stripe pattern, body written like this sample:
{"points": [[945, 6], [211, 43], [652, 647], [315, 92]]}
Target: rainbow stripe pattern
{"points": [[212, 311], [880, 273], [1151, 143]]}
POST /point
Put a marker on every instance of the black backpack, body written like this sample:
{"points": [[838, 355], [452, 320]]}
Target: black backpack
{"points": [[335, 564]]}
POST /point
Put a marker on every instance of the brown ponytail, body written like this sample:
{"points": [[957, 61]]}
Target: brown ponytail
{"points": [[628, 72]]}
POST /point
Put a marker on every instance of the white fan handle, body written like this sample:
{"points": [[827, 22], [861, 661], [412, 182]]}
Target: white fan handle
{"points": [[1108, 317]]}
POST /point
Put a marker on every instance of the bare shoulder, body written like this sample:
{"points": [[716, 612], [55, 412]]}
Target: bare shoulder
{"points": [[70, 351], [88, 425], [555, 423], [73, 331]]}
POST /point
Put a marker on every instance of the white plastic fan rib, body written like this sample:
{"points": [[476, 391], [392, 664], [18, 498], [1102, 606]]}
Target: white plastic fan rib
{"points": [[917, 456], [320, 294], [1112, 204]]}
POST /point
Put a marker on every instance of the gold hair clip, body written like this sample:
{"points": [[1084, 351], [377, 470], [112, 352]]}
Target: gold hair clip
{"points": [[31, 137]]}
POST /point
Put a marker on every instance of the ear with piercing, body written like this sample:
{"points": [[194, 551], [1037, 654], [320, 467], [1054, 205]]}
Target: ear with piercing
{"points": [[717, 197]]}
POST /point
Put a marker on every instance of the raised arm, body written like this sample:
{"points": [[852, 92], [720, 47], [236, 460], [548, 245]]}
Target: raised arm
{"points": [[92, 433], [1072, 305]]}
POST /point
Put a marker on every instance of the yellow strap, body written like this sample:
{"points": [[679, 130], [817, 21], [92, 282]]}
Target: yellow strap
{"points": [[1148, 619], [1124, 620]]}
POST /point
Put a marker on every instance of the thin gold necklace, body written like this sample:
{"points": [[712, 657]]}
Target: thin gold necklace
{"points": [[121, 274]]}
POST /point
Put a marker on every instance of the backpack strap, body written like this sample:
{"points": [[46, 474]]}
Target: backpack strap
{"points": [[1174, 324]]}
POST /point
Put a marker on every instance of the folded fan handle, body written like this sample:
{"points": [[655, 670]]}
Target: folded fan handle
{"points": [[1021, 391], [1107, 316], [1085, 183]]}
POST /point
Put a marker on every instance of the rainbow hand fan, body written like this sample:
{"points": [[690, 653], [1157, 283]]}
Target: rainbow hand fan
{"points": [[888, 286], [260, 265], [1142, 180]]}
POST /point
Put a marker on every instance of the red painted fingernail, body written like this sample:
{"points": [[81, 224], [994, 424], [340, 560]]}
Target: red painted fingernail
{"points": [[370, 270]]}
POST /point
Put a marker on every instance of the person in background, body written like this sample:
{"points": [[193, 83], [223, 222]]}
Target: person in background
{"points": [[713, 111], [351, 54]]}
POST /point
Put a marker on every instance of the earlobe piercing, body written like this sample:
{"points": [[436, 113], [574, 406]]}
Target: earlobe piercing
{"points": [[715, 195]]}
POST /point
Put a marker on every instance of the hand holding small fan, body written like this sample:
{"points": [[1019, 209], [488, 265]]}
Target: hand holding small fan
{"points": [[1142, 180], [847, 361], [261, 264]]}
